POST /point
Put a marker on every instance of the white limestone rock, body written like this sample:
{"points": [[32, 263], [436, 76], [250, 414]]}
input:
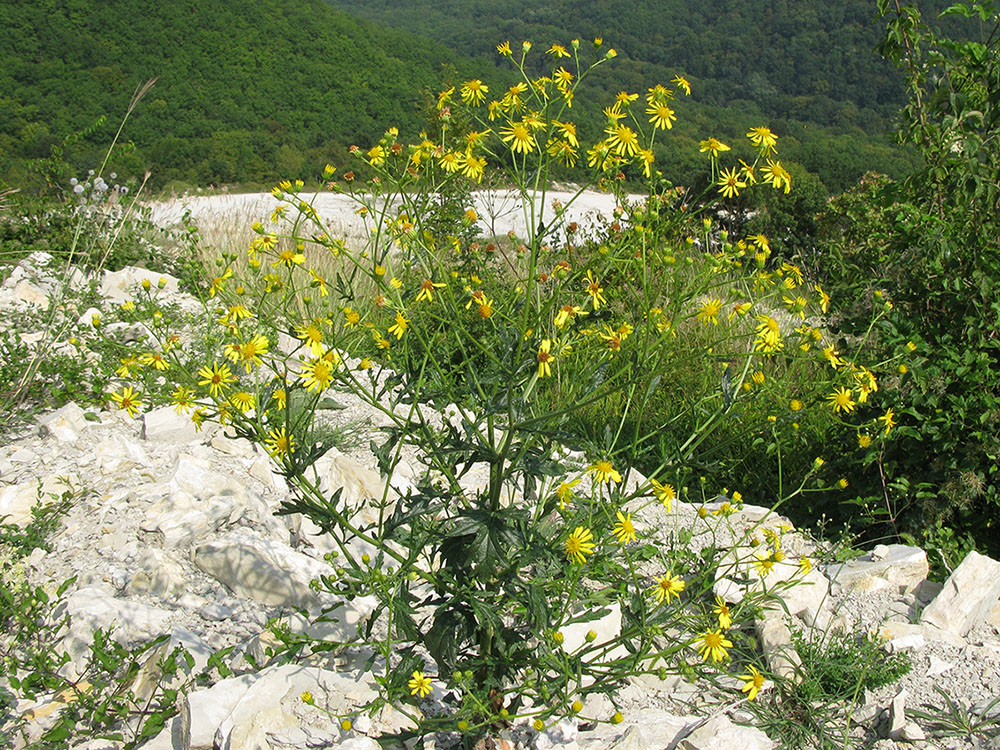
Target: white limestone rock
{"points": [[720, 733], [121, 285], [17, 500], [969, 595], [270, 703], [262, 569], [64, 424], [29, 294], [94, 607], [776, 642], [118, 454], [893, 565], [164, 424]]}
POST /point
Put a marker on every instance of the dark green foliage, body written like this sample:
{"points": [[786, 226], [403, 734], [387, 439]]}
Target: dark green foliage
{"points": [[929, 245], [246, 91]]}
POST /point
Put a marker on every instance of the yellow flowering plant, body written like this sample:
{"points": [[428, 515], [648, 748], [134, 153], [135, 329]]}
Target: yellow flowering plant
{"points": [[516, 335]]}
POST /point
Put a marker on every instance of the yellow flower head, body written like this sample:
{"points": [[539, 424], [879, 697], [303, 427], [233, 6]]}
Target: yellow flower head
{"points": [[723, 612], [217, 378], [763, 138], [399, 327], [709, 311], [128, 400], [474, 92], [714, 146], [624, 531], [604, 472], [279, 443], [667, 586], [595, 290], [665, 493], [579, 544], [420, 685], [545, 358], [713, 646], [753, 681], [518, 136], [841, 400]]}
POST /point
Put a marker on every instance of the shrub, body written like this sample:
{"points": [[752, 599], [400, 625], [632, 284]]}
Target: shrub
{"points": [[926, 248]]}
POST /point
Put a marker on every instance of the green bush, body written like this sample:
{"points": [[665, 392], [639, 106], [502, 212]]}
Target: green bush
{"points": [[927, 248]]}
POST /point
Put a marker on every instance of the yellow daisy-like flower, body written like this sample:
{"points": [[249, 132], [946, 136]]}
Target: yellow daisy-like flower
{"points": [[182, 399], [646, 158], [730, 183], [661, 116], [312, 335], [279, 443], [713, 646], [763, 563], [604, 472], [624, 531], [243, 401], [763, 138], [567, 130], [709, 311], [682, 83], [713, 145], [623, 140], [420, 685], [545, 359], [841, 400], [889, 420], [154, 360], [567, 314], [474, 92], [128, 400], [426, 293], [518, 136], [317, 374], [249, 352], [351, 318], [667, 586], [665, 493], [504, 49], [217, 378], [579, 544], [753, 681], [565, 492], [723, 612], [864, 440], [399, 327], [595, 290], [777, 176]]}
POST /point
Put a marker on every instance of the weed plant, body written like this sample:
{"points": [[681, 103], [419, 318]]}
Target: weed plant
{"points": [[482, 354]]}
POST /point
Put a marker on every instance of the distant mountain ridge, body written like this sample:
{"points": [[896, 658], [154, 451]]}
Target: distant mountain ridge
{"points": [[248, 90]]}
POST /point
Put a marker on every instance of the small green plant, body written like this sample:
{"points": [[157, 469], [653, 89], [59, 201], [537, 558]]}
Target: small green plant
{"points": [[955, 719], [814, 708]]}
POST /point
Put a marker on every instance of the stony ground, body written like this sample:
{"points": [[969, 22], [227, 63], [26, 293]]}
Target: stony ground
{"points": [[172, 531]]}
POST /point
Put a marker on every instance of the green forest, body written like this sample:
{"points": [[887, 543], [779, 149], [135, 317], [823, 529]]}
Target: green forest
{"points": [[253, 92]]}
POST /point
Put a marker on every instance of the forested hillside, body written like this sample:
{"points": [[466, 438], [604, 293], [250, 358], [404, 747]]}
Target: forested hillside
{"points": [[253, 91], [805, 60], [247, 89]]}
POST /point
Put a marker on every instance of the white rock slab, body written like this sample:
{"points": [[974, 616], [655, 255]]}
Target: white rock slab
{"points": [[262, 569], [17, 500], [968, 596], [892, 565], [64, 424]]}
